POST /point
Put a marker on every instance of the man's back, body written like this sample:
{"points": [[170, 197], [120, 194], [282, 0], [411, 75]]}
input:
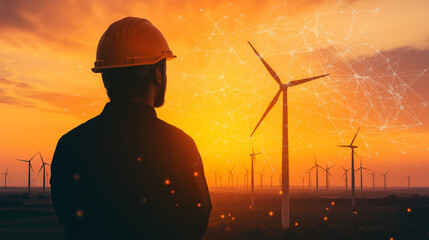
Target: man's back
{"points": [[125, 174]]}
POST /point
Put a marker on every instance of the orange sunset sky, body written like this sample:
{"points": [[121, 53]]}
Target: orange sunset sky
{"points": [[377, 53]]}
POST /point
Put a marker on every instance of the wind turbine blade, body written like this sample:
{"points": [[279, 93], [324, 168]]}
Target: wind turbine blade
{"points": [[366, 168], [301, 81], [40, 169], [31, 166], [258, 153], [273, 102], [270, 70], [41, 157], [343, 168], [22, 160], [343, 145], [355, 153], [311, 169], [253, 150], [315, 162], [32, 157], [48, 164], [355, 136]]}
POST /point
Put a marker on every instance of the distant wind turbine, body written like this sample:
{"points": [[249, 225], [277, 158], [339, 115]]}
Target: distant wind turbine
{"points": [[373, 179], [245, 174], [317, 166], [303, 179], [326, 169], [361, 174], [29, 168], [352, 147], [345, 174], [252, 175], [262, 176], [215, 176], [5, 176], [385, 180], [309, 179], [230, 177], [285, 142], [44, 172], [409, 182]]}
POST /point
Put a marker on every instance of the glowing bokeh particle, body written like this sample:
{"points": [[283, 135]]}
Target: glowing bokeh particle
{"points": [[79, 213], [270, 213], [167, 182]]}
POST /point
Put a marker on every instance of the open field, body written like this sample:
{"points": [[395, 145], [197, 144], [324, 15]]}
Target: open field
{"points": [[379, 216]]}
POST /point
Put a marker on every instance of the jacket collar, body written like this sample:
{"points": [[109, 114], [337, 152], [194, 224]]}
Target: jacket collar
{"points": [[129, 109]]}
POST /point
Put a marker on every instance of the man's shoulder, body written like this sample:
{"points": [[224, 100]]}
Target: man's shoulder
{"points": [[175, 132], [81, 130]]}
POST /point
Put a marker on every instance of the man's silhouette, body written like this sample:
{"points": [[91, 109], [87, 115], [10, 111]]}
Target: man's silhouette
{"points": [[126, 174]]}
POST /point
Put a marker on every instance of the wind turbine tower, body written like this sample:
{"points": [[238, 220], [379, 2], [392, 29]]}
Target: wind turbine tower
{"points": [[29, 172], [352, 147]]}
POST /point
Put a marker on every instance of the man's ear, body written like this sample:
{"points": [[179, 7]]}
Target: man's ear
{"points": [[159, 74]]}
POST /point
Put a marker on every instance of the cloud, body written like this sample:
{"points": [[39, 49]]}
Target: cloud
{"points": [[19, 93], [15, 83]]}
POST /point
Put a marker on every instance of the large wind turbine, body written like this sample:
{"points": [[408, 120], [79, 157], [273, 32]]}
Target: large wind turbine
{"points": [[317, 166], [252, 175], [352, 147], [44, 172], [345, 174], [5, 176], [29, 167], [361, 174], [326, 169], [285, 143]]}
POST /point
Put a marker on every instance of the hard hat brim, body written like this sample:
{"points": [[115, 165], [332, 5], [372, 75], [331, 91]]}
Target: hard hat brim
{"points": [[142, 63]]}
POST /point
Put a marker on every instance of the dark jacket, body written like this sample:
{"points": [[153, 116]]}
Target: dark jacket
{"points": [[126, 174]]}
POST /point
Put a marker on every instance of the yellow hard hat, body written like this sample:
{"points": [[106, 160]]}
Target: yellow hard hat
{"points": [[131, 42]]}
